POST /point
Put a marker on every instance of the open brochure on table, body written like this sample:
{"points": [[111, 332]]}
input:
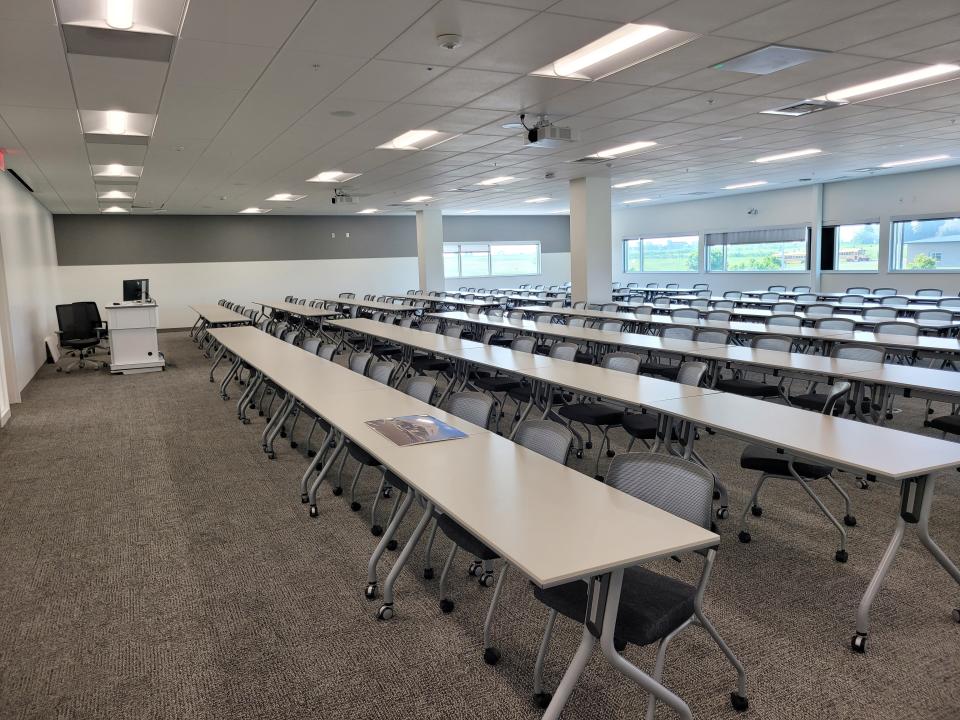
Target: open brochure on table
{"points": [[415, 429]]}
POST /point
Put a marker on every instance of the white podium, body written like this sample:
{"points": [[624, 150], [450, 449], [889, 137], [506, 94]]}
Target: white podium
{"points": [[133, 338]]}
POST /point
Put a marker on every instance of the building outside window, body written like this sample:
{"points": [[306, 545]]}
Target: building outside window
{"points": [[932, 244], [679, 253], [463, 260], [771, 250]]}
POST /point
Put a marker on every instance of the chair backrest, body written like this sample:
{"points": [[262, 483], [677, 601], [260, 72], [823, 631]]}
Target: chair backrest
{"points": [[723, 305], [360, 362], [783, 321], [681, 487], [653, 285], [496, 312], [347, 295], [327, 351], [855, 351], [609, 307], [691, 373], [769, 297], [74, 322], [563, 351], [733, 295], [611, 326], [453, 331], [679, 332], [701, 286], [700, 303], [877, 313], [661, 302], [883, 292], [806, 298], [93, 312], [712, 335], [720, 315], [474, 407], [381, 371], [524, 343], [835, 394], [894, 300], [489, 334], [579, 305], [279, 329], [858, 291], [672, 286], [550, 439], [819, 310], [406, 322], [929, 292], [705, 293], [621, 362], [685, 313], [801, 288], [937, 316], [643, 312], [851, 299], [777, 288], [896, 328], [835, 324], [576, 322], [772, 342], [430, 325], [949, 302], [290, 336], [421, 387]]}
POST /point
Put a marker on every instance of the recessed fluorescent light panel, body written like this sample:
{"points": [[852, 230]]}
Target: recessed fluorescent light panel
{"points": [[538, 200], [114, 209], [914, 161], [788, 155], [469, 212], [368, 211], [560, 212], [624, 150], [115, 195], [419, 198], [897, 83], [253, 211], [129, 126], [770, 59], [333, 176], [636, 200], [417, 140], [630, 183], [285, 197], [501, 180], [740, 186], [116, 170], [624, 47], [120, 14]]}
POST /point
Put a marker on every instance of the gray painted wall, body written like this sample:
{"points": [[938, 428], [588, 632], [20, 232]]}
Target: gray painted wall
{"points": [[150, 239]]}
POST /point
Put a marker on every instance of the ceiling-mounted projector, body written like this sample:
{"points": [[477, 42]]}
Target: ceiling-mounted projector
{"points": [[549, 136]]}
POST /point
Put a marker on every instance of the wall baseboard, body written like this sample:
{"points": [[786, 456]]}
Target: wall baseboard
{"points": [[5, 417]]}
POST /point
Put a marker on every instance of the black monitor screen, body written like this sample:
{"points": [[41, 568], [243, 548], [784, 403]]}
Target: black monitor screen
{"points": [[135, 290]]}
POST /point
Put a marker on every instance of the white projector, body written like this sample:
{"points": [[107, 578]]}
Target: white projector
{"points": [[345, 200], [549, 136]]}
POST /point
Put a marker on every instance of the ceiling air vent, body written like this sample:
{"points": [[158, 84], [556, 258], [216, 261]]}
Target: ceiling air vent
{"points": [[805, 107], [590, 160]]}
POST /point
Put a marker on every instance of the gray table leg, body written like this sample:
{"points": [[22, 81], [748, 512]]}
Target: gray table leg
{"points": [[312, 492], [216, 360], [386, 610], [371, 591], [227, 378]]}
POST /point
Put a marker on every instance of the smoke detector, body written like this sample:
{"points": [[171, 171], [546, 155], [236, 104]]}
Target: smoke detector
{"points": [[449, 41]]}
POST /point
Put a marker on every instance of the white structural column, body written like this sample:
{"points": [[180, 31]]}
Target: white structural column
{"points": [[430, 249], [591, 245]]}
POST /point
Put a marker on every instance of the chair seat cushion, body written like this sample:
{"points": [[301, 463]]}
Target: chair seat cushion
{"points": [[424, 362], [583, 357], [496, 384], [501, 341], [757, 457], [661, 369], [947, 423], [751, 388], [651, 605], [79, 343], [810, 401], [395, 482], [464, 539], [641, 425], [592, 414]]}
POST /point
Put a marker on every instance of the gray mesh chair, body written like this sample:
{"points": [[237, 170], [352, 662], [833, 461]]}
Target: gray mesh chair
{"points": [[497, 383], [783, 308], [929, 292], [812, 400], [884, 292], [723, 305], [381, 371], [644, 426], [793, 321], [775, 464], [598, 414], [805, 297], [521, 394], [769, 297], [833, 323], [819, 310], [880, 313], [732, 295], [710, 335], [801, 288], [654, 608], [777, 288], [897, 328], [858, 291], [718, 315], [660, 365], [895, 300], [680, 313]]}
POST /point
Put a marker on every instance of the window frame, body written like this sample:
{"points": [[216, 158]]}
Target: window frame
{"points": [[893, 242], [641, 238], [836, 246], [489, 244], [706, 251]]}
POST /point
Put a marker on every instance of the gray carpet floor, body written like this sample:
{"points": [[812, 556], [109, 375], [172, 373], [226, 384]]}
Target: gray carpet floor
{"points": [[155, 564]]}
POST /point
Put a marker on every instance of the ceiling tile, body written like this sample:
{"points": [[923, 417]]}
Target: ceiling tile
{"points": [[245, 22], [33, 70], [116, 84]]}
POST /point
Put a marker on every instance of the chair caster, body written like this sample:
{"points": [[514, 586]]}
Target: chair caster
{"points": [[863, 484], [211, 379], [542, 700], [311, 453], [611, 453], [245, 421], [376, 530], [446, 606], [475, 569], [385, 612], [355, 506], [294, 445], [849, 521], [486, 580], [304, 498], [956, 615], [598, 478], [858, 643], [723, 512], [260, 413], [272, 455], [371, 592], [283, 433], [588, 445], [491, 656], [580, 454], [337, 490], [739, 702], [716, 494], [388, 492], [392, 545], [60, 370], [743, 536], [313, 511], [756, 510], [841, 556]]}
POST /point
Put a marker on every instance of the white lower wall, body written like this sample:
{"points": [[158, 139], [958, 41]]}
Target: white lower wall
{"points": [[177, 285], [4, 394], [554, 270]]}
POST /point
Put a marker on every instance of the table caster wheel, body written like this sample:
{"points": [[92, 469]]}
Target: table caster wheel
{"points": [[486, 580], [716, 494], [371, 592], [59, 369], [739, 702], [491, 656], [355, 506], [611, 453], [475, 569], [580, 454], [392, 545], [272, 455], [428, 573], [337, 490], [294, 445], [542, 700], [385, 612], [858, 643], [311, 453], [313, 511], [722, 513], [304, 498], [260, 413], [588, 445], [849, 521], [283, 433], [598, 478], [376, 530], [841, 556], [446, 606], [211, 379], [388, 492], [246, 421], [743, 536]]}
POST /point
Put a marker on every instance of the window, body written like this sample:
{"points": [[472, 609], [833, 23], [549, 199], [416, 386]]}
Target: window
{"points": [[463, 260], [662, 254], [772, 250], [854, 248], [925, 244]]}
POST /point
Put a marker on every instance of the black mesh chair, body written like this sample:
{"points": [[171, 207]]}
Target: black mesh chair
{"points": [[93, 312], [654, 608], [78, 334], [776, 464], [740, 384], [814, 400], [644, 426]]}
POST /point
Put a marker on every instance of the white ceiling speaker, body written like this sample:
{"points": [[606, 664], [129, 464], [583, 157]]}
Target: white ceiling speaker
{"points": [[449, 41]]}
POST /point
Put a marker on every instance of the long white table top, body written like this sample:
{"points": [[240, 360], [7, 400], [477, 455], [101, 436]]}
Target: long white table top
{"points": [[304, 311], [372, 304], [219, 315], [551, 522]]}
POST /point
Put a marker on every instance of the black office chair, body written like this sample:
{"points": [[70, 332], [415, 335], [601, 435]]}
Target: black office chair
{"points": [[93, 312], [78, 334], [644, 426], [654, 608], [740, 384]]}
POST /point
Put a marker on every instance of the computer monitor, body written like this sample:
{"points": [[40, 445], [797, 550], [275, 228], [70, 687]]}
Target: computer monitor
{"points": [[136, 290]]}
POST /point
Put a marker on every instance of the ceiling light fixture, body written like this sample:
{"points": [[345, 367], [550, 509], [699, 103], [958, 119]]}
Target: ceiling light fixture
{"points": [[538, 200], [876, 86], [624, 150], [930, 158], [114, 209], [470, 212], [636, 200], [120, 14], [738, 186], [788, 155], [417, 140], [333, 176], [285, 197], [558, 212], [419, 198], [116, 170], [115, 195], [500, 180], [253, 211], [368, 211], [116, 122], [630, 183], [624, 47]]}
